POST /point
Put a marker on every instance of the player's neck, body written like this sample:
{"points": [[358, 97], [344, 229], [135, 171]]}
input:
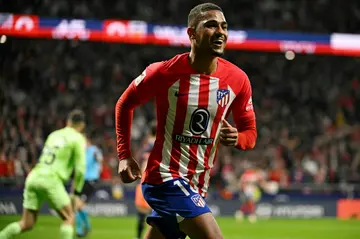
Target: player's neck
{"points": [[74, 127], [203, 64]]}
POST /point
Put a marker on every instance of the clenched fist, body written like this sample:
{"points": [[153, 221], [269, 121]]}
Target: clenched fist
{"points": [[228, 134], [129, 170]]}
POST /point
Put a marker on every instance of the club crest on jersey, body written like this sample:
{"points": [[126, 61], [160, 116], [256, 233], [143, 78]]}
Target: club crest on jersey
{"points": [[198, 200], [223, 97]]}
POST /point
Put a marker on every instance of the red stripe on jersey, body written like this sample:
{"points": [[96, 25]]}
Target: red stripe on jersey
{"points": [[153, 163], [181, 108], [214, 127], [203, 102]]}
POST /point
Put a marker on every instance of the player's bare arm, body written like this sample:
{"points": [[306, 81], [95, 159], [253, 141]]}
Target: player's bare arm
{"points": [[80, 165]]}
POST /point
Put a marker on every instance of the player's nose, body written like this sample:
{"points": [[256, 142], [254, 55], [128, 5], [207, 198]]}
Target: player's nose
{"points": [[220, 30], [220, 35]]}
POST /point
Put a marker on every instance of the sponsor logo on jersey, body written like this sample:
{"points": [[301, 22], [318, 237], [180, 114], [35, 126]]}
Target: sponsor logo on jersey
{"points": [[193, 140], [249, 105]]}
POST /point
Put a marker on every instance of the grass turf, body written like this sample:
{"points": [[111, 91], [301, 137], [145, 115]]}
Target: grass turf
{"points": [[124, 228]]}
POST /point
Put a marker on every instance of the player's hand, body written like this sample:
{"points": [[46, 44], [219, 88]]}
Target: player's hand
{"points": [[129, 170], [228, 134]]}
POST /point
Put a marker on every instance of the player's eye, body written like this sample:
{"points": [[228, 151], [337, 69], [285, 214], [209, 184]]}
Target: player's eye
{"points": [[212, 26]]}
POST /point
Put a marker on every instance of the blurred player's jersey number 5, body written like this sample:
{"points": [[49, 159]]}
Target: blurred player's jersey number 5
{"points": [[49, 154]]}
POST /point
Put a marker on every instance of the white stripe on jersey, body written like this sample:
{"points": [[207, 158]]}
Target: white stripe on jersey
{"points": [[193, 100], [212, 108], [170, 121], [213, 150]]}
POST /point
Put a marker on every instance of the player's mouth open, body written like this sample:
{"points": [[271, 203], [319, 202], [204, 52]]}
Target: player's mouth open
{"points": [[218, 42]]}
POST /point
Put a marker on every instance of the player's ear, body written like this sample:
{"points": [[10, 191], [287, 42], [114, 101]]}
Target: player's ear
{"points": [[191, 33]]}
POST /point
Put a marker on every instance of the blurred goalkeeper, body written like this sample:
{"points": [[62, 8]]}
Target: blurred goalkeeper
{"points": [[63, 152]]}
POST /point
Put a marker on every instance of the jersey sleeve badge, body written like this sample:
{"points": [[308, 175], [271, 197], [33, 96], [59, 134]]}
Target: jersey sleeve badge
{"points": [[140, 78], [249, 105]]}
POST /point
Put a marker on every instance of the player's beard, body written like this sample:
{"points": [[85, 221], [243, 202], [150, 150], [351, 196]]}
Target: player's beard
{"points": [[217, 53], [208, 49]]}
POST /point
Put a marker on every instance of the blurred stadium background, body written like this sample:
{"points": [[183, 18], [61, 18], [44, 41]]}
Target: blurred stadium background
{"points": [[302, 58]]}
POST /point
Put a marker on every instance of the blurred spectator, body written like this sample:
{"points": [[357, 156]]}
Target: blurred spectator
{"points": [[3, 165], [106, 174], [321, 16]]}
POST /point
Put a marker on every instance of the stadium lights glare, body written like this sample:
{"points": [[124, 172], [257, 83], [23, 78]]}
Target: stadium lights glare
{"points": [[289, 55], [3, 39]]}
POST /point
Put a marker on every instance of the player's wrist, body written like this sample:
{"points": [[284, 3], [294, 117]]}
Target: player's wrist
{"points": [[122, 155], [240, 140]]}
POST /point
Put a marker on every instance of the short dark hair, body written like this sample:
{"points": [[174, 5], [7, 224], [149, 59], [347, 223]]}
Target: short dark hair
{"points": [[197, 11], [76, 116]]}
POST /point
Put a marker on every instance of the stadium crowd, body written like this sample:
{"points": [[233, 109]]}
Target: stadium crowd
{"points": [[306, 108], [300, 106], [301, 15]]}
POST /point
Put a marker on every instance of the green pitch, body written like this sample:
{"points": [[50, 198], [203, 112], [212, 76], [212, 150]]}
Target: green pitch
{"points": [[124, 228]]}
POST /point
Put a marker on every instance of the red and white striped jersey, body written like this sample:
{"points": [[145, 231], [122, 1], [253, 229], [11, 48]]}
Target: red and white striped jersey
{"points": [[190, 107]]}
